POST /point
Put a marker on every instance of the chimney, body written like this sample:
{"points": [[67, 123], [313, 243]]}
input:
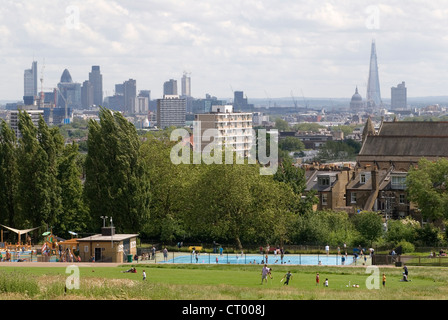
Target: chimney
{"points": [[375, 182], [108, 231]]}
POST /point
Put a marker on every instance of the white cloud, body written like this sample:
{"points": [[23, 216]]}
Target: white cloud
{"points": [[322, 47]]}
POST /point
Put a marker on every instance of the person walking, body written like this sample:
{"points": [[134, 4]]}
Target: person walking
{"points": [[317, 279], [264, 274], [144, 275], [384, 280]]}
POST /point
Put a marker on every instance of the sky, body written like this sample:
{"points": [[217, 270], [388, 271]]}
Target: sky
{"points": [[266, 48]]}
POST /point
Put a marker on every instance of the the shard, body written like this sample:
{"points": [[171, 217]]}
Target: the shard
{"points": [[373, 85]]}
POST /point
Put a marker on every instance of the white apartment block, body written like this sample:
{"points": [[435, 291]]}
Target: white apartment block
{"points": [[232, 129], [14, 119]]}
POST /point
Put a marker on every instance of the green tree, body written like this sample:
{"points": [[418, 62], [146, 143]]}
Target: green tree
{"points": [[402, 230], [170, 189], [281, 125], [308, 126], [337, 150], [235, 203], [427, 187], [291, 144], [428, 235], [74, 214], [37, 201], [369, 225], [52, 142], [8, 174], [117, 183]]}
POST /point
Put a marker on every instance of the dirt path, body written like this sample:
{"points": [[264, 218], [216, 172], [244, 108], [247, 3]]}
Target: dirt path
{"points": [[60, 264]]}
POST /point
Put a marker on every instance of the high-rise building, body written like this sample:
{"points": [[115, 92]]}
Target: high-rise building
{"points": [[96, 79], [130, 93], [399, 96], [233, 129], [69, 92], [170, 88], [171, 111], [240, 102], [30, 81], [87, 94], [373, 84], [119, 89], [186, 85], [14, 119], [205, 105]]}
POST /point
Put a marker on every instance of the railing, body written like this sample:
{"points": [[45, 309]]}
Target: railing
{"points": [[271, 259], [399, 260]]}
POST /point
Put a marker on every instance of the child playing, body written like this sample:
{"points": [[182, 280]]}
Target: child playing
{"points": [[287, 276]]}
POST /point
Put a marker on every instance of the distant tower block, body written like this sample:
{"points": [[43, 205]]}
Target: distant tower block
{"points": [[373, 84]]}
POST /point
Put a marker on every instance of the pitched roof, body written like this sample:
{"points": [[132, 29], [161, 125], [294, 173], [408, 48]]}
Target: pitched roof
{"points": [[312, 182], [414, 128], [408, 139], [405, 146]]}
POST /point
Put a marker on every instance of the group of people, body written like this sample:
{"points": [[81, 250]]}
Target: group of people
{"points": [[134, 270], [266, 273], [67, 255]]}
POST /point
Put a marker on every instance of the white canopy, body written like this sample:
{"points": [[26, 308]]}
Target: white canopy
{"points": [[19, 231]]}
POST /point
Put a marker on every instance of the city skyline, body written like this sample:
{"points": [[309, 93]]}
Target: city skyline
{"points": [[259, 47]]}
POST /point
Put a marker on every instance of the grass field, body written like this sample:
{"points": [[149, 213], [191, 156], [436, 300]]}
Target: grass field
{"points": [[221, 282]]}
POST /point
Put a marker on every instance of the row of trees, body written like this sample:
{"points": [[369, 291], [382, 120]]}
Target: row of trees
{"points": [[40, 181], [47, 183]]}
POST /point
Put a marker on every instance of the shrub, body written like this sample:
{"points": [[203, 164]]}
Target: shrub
{"points": [[406, 247]]}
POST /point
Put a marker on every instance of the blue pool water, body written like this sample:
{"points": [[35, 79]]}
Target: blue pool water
{"points": [[300, 259]]}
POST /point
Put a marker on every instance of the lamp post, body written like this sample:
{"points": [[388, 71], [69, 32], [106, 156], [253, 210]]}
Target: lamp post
{"points": [[111, 233]]}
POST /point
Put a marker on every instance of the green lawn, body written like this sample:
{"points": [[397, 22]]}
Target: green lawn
{"points": [[222, 282]]}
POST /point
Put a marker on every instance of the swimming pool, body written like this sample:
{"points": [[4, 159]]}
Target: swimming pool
{"points": [[291, 259]]}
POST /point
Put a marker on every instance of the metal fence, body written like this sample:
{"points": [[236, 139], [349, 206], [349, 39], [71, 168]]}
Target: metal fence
{"points": [[271, 259], [399, 260]]}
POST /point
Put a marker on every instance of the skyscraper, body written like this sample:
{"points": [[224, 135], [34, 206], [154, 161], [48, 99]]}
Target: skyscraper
{"points": [[186, 85], [171, 111], [170, 87], [87, 94], [69, 92], [373, 84], [30, 81], [240, 103], [398, 97], [96, 79], [130, 93]]}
